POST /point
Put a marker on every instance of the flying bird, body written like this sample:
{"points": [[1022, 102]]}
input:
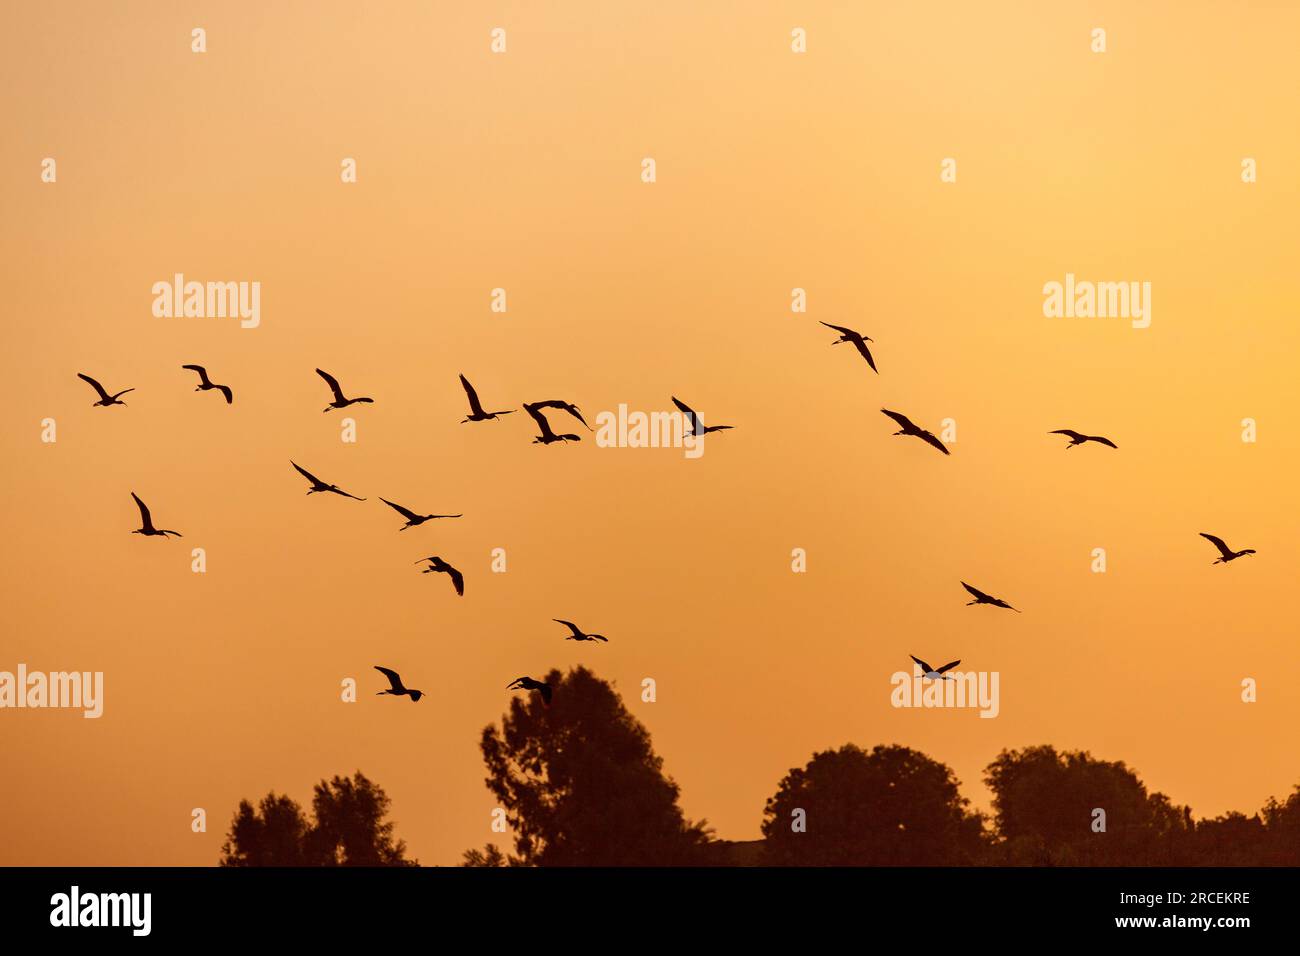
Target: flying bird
{"points": [[146, 522], [569, 407], [1078, 438], [934, 673], [527, 683], [859, 341], [908, 427], [105, 399], [205, 383], [1227, 553], [982, 598], [547, 436], [397, 689], [412, 519], [437, 565], [696, 424], [340, 401], [318, 485], [476, 413], [578, 634]]}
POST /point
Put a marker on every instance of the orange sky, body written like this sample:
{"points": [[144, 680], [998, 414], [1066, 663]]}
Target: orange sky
{"points": [[521, 171]]}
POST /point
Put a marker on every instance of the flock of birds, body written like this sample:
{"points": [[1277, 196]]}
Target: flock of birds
{"points": [[434, 564], [909, 428]]}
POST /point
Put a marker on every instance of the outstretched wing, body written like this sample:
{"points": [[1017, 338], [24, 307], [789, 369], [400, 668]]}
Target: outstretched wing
{"points": [[545, 691], [929, 439], [841, 329], [1068, 431], [408, 515], [1214, 540], [924, 666], [305, 473], [903, 421], [474, 405], [93, 384], [1104, 441], [535, 413], [225, 390], [203, 373], [145, 520], [866, 353], [977, 593], [689, 413], [457, 580], [577, 631], [333, 383], [393, 678], [947, 667]]}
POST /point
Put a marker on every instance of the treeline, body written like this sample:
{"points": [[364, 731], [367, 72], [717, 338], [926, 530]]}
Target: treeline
{"points": [[582, 786]]}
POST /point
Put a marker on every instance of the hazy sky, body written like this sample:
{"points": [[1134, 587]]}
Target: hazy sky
{"points": [[522, 170]]}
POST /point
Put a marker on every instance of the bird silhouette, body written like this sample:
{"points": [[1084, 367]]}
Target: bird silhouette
{"points": [[908, 427], [397, 689], [318, 485], [569, 407], [1078, 438], [859, 341], [439, 566], [340, 401], [578, 634], [934, 673], [547, 436], [1227, 554], [146, 522], [476, 413], [982, 598], [412, 519], [205, 383], [105, 399], [527, 683], [694, 423]]}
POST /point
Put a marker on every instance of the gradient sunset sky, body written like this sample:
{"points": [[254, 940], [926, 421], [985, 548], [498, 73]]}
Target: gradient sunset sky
{"points": [[775, 170]]}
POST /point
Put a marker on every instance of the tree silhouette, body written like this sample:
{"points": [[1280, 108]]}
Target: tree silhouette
{"points": [[581, 783], [889, 806], [490, 855], [273, 834], [348, 830], [1045, 805]]}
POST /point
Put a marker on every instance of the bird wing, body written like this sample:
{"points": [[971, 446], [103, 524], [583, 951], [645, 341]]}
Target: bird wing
{"points": [[947, 667], [517, 680], [1104, 441], [928, 438], [408, 515], [392, 676], [839, 328], [545, 690], [924, 666], [203, 373], [93, 384], [305, 473], [1216, 541], [225, 390], [573, 410], [536, 415], [976, 592], [866, 353], [146, 521], [474, 405], [577, 631], [1067, 431], [457, 579], [903, 421], [333, 383], [689, 413]]}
